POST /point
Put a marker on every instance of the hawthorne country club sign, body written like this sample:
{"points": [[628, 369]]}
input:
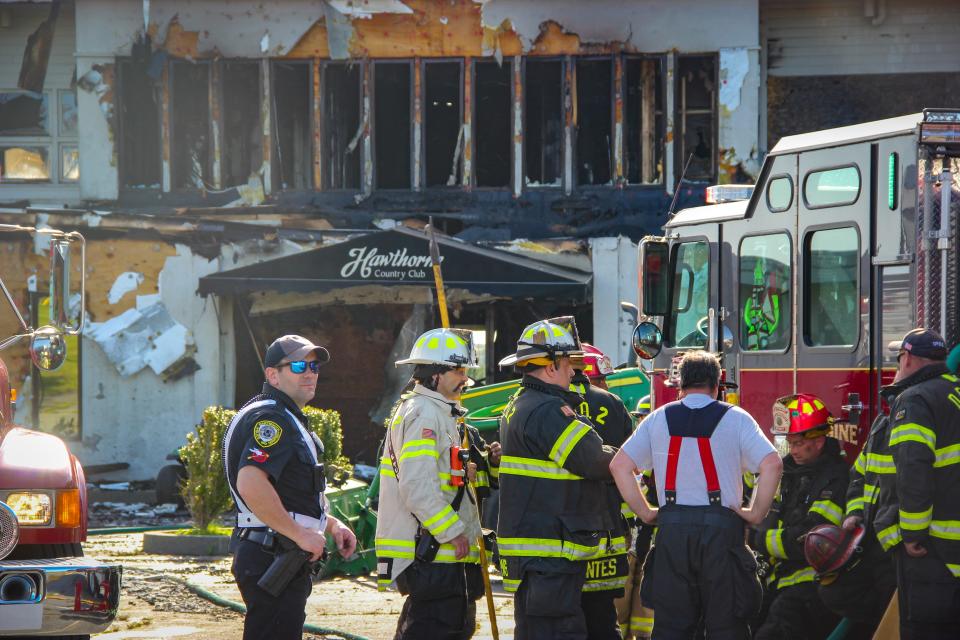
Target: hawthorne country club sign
{"points": [[399, 264]]}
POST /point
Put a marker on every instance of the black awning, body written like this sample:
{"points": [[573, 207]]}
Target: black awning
{"points": [[402, 257]]}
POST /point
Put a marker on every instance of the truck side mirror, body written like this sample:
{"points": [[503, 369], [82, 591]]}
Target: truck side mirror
{"points": [[61, 250], [654, 260], [48, 348], [647, 340]]}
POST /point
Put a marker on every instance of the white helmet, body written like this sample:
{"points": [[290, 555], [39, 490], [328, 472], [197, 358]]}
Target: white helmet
{"points": [[544, 341], [448, 347]]}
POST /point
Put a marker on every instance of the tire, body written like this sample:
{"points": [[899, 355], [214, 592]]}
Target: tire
{"points": [[168, 485]]}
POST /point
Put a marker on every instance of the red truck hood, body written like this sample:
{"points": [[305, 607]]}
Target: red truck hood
{"points": [[30, 459]]}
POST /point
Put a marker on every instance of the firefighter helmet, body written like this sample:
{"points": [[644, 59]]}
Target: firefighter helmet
{"points": [[444, 347], [643, 406], [801, 413], [545, 341], [830, 549], [596, 364]]}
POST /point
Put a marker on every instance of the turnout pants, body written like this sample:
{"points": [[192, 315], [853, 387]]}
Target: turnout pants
{"points": [[929, 597], [547, 606], [701, 570], [796, 613], [862, 593], [269, 618], [600, 614], [441, 601]]}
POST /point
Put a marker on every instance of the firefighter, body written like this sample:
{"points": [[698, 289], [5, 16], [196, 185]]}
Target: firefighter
{"points": [[862, 591], [426, 527], [699, 571], [612, 421], [553, 511], [925, 443], [812, 492]]}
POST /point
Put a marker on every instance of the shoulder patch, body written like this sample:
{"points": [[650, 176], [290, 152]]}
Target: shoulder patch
{"points": [[900, 414], [567, 411], [427, 433], [826, 495], [267, 433], [258, 456]]}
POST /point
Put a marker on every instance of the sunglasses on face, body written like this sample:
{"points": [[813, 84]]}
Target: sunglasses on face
{"points": [[299, 366]]}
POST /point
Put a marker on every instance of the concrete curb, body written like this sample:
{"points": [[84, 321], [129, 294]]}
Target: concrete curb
{"points": [[180, 545]]}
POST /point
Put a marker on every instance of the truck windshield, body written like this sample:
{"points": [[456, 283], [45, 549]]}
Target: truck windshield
{"points": [[691, 295]]}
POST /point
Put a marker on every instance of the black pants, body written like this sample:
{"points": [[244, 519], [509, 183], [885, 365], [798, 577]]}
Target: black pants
{"points": [[441, 601], [600, 614], [547, 606], [697, 572], [269, 618], [796, 613], [862, 594], [929, 597]]}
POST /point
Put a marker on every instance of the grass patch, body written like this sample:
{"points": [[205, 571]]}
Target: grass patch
{"points": [[211, 530]]}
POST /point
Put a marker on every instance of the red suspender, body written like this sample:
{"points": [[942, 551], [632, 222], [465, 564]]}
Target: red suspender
{"points": [[709, 469], [706, 460], [673, 457]]}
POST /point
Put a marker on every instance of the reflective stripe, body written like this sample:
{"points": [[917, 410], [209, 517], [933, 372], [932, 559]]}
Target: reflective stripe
{"points": [[442, 520], [447, 554], [861, 464], [797, 577], [568, 440], [417, 448], [383, 583], [495, 471], [912, 432], [915, 521], [947, 456], [483, 479], [641, 625], [605, 585], [890, 537], [547, 548], [946, 529], [511, 465], [855, 504], [829, 510], [950, 378], [749, 480], [774, 543], [880, 463], [954, 569], [510, 585], [871, 493], [388, 548], [626, 511]]}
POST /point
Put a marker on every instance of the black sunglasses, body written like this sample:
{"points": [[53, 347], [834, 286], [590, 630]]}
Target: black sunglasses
{"points": [[299, 366]]}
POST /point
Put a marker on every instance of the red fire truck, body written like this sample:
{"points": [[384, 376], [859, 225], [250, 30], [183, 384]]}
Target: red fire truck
{"points": [[848, 240], [47, 586]]}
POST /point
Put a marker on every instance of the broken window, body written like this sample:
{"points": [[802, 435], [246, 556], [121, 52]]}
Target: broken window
{"points": [[643, 122], [68, 112], [442, 124], [139, 108], [543, 122], [493, 117], [594, 94], [23, 113], [190, 125], [69, 163], [242, 134], [391, 126], [697, 93], [292, 123], [26, 163], [341, 125]]}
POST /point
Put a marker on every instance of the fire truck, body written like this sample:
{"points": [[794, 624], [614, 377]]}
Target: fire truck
{"points": [[848, 240], [47, 586]]}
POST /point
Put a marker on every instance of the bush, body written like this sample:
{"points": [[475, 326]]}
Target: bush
{"points": [[205, 490], [326, 424]]}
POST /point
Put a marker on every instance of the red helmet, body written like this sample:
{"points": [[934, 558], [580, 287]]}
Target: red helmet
{"points": [[596, 364], [830, 549], [801, 413]]}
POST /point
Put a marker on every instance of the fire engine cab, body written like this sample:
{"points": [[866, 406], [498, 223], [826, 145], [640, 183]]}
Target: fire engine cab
{"points": [[848, 240]]}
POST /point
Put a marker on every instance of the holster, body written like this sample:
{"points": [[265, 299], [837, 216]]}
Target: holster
{"points": [[426, 547]]}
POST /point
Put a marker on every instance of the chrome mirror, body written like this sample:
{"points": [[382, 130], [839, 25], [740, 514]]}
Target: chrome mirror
{"points": [[647, 340], [48, 348]]}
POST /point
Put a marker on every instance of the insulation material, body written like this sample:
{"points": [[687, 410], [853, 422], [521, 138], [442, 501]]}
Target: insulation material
{"points": [[367, 8], [734, 65], [140, 338], [125, 283]]}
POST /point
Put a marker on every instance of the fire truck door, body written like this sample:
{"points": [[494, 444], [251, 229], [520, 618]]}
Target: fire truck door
{"points": [[834, 258]]}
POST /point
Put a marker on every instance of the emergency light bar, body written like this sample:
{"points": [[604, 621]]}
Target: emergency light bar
{"points": [[719, 193], [940, 127]]}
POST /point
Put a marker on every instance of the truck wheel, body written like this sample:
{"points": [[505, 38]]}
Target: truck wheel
{"points": [[46, 551], [168, 485]]}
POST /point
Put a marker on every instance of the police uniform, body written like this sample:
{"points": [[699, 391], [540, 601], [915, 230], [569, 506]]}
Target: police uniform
{"points": [[553, 509], [925, 443], [809, 495], [269, 433], [607, 575]]}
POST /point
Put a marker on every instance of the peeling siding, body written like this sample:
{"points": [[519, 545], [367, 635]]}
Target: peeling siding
{"points": [[739, 115]]}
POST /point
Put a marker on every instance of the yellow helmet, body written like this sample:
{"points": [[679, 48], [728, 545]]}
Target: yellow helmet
{"points": [[545, 341], [447, 347]]}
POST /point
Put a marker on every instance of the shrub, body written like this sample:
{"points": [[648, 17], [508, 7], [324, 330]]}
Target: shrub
{"points": [[205, 490], [326, 424]]}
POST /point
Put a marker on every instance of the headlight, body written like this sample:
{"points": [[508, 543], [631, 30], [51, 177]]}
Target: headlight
{"points": [[32, 509]]}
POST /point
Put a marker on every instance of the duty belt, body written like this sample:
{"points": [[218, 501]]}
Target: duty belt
{"points": [[248, 520]]}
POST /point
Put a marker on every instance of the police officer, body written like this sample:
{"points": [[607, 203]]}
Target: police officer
{"points": [[606, 575], [812, 492], [925, 443], [553, 510], [862, 592], [427, 525], [699, 569], [273, 466]]}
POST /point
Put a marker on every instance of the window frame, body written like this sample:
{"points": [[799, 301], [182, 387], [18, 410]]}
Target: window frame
{"points": [[659, 131], [793, 192], [740, 301], [669, 322], [575, 126], [410, 62], [52, 142], [474, 138], [324, 166], [804, 332], [680, 113], [424, 63], [558, 185], [806, 179]]}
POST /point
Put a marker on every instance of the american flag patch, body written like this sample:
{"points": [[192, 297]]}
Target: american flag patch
{"points": [[567, 411], [427, 433]]}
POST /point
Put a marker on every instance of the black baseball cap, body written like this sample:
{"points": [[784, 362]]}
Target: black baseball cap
{"points": [[925, 343], [291, 348]]}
